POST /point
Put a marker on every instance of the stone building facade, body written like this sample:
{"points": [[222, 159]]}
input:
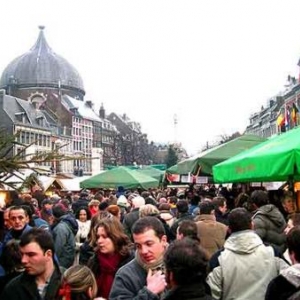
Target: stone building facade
{"points": [[43, 98]]}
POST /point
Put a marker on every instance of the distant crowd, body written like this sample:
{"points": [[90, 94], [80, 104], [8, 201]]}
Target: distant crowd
{"points": [[200, 242]]}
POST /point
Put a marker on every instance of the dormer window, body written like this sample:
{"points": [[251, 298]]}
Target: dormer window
{"points": [[20, 117], [40, 121]]}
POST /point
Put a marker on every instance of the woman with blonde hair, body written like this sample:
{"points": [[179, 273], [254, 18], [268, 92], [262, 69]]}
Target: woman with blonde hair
{"points": [[78, 283], [114, 249]]}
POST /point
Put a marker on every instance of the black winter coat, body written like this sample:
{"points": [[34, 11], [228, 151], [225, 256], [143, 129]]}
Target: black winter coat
{"points": [[24, 287], [193, 291]]}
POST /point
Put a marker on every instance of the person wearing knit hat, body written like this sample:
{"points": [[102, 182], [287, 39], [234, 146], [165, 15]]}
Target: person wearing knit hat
{"points": [[114, 210]]}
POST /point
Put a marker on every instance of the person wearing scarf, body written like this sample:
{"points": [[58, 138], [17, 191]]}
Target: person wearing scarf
{"points": [[114, 249], [143, 277]]}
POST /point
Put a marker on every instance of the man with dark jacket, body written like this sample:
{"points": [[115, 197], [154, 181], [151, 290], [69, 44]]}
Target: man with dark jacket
{"points": [[64, 231], [143, 277], [18, 219], [268, 221], [83, 201], [287, 284], [42, 277], [182, 214], [185, 268]]}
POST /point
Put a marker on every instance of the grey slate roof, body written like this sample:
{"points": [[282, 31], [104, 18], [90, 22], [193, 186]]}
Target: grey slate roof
{"points": [[13, 106], [41, 66]]}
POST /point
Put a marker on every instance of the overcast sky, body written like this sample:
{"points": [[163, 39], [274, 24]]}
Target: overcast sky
{"points": [[212, 63]]}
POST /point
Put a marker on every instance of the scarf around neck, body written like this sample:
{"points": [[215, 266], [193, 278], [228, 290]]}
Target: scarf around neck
{"points": [[155, 266]]}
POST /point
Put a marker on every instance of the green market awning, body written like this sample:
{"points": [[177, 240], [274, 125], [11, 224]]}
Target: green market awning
{"points": [[120, 176], [277, 159], [207, 159]]}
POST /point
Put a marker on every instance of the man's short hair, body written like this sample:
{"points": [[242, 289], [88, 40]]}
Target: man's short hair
{"points": [[206, 207], [188, 228], [239, 219], [259, 198], [182, 206], [59, 210], [40, 236], [293, 242], [219, 201], [147, 223], [17, 207], [187, 261]]}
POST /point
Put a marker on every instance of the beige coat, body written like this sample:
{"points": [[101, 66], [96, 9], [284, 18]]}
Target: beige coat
{"points": [[211, 233]]}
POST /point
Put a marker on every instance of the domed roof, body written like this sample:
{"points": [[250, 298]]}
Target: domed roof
{"points": [[41, 67]]}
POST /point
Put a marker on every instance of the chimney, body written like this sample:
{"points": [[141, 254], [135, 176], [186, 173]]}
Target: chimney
{"points": [[2, 95], [89, 103]]}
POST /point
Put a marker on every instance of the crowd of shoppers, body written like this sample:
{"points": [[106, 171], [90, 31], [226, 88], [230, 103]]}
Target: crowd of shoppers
{"points": [[155, 244]]}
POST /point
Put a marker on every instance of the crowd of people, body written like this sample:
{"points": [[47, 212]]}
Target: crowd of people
{"points": [[193, 243]]}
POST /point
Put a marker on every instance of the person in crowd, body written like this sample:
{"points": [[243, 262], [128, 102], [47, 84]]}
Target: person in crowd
{"points": [[34, 220], [287, 284], [151, 210], [269, 222], [115, 211], [86, 250], [195, 199], [41, 277], [221, 211], [83, 219], [94, 206], [46, 211], [82, 201], [7, 225], [186, 270], [182, 214], [243, 200], [187, 228], [64, 231], [211, 233], [288, 204], [133, 215], [19, 220], [245, 266], [293, 220], [172, 200], [114, 249], [143, 278], [123, 206], [165, 213], [78, 283], [10, 261]]}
